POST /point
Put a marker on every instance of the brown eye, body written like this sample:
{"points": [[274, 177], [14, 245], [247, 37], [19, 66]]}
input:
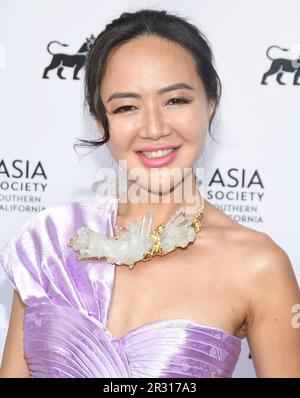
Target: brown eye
{"points": [[179, 100], [123, 109]]}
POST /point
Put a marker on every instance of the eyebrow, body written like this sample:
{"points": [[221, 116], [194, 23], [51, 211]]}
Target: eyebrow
{"points": [[160, 92]]}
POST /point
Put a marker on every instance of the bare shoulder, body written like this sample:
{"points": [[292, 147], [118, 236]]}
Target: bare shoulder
{"points": [[258, 277], [263, 256], [262, 266], [225, 229], [271, 273], [253, 251], [272, 294]]}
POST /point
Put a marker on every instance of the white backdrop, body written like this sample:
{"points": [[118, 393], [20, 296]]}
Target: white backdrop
{"points": [[251, 175]]}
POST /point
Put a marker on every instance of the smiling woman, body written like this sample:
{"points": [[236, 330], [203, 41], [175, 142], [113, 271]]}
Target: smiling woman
{"points": [[153, 90], [154, 24]]}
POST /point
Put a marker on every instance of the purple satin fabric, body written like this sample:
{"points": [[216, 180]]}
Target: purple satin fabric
{"points": [[68, 303]]}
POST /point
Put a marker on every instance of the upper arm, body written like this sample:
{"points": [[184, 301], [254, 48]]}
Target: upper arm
{"points": [[13, 361], [273, 336]]}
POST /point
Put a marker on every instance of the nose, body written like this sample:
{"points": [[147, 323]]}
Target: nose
{"points": [[154, 124]]}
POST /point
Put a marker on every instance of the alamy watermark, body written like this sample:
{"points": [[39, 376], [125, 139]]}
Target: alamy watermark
{"points": [[296, 318], [156, 185]]}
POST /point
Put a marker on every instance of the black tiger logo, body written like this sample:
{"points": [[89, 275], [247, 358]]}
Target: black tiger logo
{"points": [[61, 60], [281, 65]]}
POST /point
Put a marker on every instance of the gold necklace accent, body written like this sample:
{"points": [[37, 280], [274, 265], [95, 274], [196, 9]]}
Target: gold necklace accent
{"points": [[156, 249]]}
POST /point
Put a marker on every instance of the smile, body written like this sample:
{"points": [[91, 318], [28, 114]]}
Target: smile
{"points": [[158, 158], [157, 154]]}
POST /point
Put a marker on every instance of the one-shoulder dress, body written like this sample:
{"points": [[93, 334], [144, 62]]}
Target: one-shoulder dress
{"points": [[67, 303]]}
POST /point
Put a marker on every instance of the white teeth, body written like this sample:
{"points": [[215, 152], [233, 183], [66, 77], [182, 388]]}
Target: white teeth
{"points": [[157, 154]]}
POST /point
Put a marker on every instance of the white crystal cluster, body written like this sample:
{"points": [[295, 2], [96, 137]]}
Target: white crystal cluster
{"points": [[131, 245], [127, 249], [178, 232]]}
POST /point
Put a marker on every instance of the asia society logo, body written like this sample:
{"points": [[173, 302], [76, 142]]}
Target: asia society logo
{"points": [[237, 192], [284, 61], [22, 185], [61, 60]]}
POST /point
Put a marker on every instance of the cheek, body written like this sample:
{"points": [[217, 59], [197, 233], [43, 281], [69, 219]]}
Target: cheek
{"points": [[192, 125], [120, 141], [196, 112], [121, 133]]}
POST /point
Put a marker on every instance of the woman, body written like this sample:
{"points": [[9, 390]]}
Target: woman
{"points": [[150, 83]]}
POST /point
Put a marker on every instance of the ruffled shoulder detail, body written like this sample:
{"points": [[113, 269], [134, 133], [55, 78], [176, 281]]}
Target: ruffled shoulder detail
{"points": [[43, 269]]}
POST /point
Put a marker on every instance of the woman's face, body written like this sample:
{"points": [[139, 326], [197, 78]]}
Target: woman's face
{"points": [[147, 115]]}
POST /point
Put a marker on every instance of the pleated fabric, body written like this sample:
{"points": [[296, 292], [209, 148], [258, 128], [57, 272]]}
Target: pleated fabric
{"points": [[68, 303]]}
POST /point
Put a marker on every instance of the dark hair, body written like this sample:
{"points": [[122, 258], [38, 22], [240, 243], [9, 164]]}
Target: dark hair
{"points": [[129, 26]]}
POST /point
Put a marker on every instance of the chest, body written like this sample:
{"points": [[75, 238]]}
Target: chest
{"points": [[191, 283]]}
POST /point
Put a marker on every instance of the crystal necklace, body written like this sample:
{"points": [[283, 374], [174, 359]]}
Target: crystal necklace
{"points": [[138, 242]]}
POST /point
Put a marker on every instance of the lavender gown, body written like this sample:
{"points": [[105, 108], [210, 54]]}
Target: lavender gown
{"points": [[68, 303]]}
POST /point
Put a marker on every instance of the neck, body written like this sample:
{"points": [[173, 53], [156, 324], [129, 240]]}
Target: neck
{"points": [[185, 194]]}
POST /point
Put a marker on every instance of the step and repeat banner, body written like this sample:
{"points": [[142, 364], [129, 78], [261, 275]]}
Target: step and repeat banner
{"points": [[250, 172]]}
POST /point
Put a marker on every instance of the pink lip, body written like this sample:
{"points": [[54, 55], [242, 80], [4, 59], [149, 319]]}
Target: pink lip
{"points": [[159, 162], [156, 148]]}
